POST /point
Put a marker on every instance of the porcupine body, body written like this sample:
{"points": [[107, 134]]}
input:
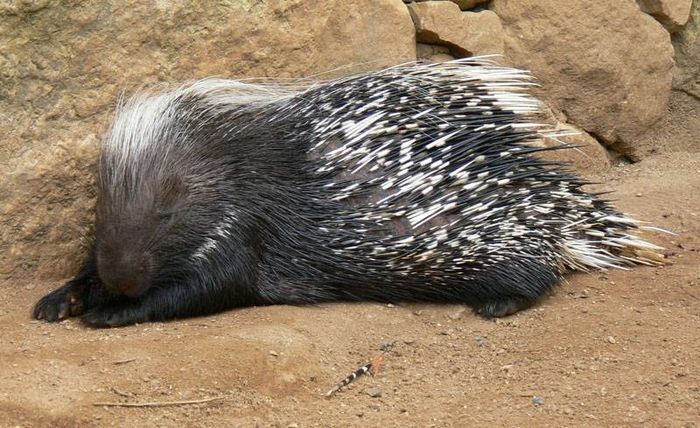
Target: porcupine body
{"points": [[414, 183]]}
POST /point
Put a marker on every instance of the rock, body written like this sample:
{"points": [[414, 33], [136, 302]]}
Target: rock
{"points": [[425, 50], [673, 14], [457, 313], [613, 82], [433, 53], [63, 65], [22, 7], [465, 33], [588, 158], [373, 392], [687, 45], [678, 130]]}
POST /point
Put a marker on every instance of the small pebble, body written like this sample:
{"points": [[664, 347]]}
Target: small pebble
{"points": [[455, 315], [373, 392], [537, 400], [611, 339], [273, 353], [482, 341]]}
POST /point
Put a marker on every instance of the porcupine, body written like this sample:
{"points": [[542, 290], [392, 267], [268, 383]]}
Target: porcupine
{"points": [[413, 183]]}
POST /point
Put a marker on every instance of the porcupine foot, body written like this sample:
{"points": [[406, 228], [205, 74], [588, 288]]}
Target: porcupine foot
{"points": [[67, 301], [512, 286], [74, 298]]}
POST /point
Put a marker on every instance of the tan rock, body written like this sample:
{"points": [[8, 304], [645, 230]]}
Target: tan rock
{"points": [[63, 65], [587, 157], [687, 44], [679, 129], [425, 51], [613, 82], [465, 33], [673, 14], [433, 53]]}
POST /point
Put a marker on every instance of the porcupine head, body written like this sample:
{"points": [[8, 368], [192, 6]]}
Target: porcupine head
{"points": [[170, 197]]}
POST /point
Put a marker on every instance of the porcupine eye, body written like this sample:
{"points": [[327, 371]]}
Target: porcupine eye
{"points": [[166, 217]]}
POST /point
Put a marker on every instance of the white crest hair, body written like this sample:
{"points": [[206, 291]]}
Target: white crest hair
{"points": [[147, 125]]}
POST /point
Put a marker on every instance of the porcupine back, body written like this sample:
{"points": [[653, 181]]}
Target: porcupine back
{"points": [[429, 171]]}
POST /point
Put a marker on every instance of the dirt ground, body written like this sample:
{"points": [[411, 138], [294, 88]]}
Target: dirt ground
{"points": [[607, 349]]}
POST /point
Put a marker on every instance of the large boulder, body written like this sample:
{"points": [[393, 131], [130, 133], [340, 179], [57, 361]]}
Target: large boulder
{"points": [[673, 14], [687, 44], [605, 65], [63, 65], [464, 33], [680, 127]]}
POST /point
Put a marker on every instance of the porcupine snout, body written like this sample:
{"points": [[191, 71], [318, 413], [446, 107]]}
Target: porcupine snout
{"points": [[127, 273]]}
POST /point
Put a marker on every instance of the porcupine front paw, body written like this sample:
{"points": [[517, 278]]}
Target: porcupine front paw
{"points": [[114, 316], [60, 304]]}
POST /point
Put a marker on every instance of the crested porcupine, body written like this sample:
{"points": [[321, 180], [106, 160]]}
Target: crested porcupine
{"points": [[413, 183]]}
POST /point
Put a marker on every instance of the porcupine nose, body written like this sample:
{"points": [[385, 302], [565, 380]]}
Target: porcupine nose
{"points": [[127, 274]]}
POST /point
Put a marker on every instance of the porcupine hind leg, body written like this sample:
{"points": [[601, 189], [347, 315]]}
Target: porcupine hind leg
{"points": [[509, 287], [78, 295]]}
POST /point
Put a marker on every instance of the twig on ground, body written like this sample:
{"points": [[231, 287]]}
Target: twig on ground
{"points": [[128, 360], [160, 403]]}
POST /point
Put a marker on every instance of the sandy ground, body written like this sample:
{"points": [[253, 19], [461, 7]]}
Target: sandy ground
{"points": [[616, 348]]}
